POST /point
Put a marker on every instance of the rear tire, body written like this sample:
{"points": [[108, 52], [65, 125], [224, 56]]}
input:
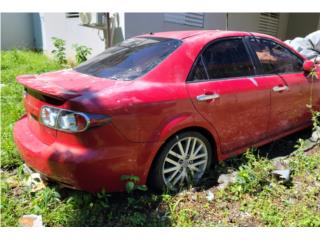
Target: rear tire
{"points": [[181, 162]]}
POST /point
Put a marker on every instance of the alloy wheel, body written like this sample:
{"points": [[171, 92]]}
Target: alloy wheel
{"points": [[185, 163]]}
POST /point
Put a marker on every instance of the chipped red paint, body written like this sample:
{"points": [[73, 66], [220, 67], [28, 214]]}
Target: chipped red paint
{"points": [[147, 111]]}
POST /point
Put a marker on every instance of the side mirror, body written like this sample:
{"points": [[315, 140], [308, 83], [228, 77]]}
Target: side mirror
{"points": [[308, 66]]}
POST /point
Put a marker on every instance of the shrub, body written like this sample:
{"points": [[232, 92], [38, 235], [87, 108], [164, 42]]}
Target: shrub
{"points": [[82, 53], [60, 50]]}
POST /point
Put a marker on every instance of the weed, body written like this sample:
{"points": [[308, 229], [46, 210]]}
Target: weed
{"points": [[315, 119], [137, 219], [315, 115], [131, 183], [103, 199], [59, 52], [82, 53], [253, 176]]}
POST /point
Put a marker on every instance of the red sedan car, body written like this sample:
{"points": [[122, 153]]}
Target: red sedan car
{"points": [[163, 106]]}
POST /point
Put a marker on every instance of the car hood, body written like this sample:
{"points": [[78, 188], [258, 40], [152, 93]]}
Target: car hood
{"points": [[67, 84]]}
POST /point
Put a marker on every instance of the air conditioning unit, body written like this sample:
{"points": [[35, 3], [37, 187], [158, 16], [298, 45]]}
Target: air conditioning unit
{"points": [[92, 19]]}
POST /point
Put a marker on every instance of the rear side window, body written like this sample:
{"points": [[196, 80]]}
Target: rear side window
{"points": [[275, 58], [199, 71], [130, 59], [225, 59]]}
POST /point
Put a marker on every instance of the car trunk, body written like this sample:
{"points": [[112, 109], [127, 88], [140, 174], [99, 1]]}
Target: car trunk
{"points": [[55, 89]]}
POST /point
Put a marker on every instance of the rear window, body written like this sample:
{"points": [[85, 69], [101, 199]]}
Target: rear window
{"points": [[130, 59]]}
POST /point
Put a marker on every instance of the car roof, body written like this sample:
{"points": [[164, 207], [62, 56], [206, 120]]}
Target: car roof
{"points": [[192, 33], [176, 34], [210, 35]]}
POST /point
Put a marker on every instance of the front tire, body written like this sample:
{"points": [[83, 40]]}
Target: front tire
{"points": [[182, 161]]}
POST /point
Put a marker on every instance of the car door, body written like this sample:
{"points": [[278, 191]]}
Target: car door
{"points": [[291, 95], [224, 90]]}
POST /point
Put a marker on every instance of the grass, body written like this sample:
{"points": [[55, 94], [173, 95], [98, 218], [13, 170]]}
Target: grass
{"points": [[255, 199], [14, 63]]}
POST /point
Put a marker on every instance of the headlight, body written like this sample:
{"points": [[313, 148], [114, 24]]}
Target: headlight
{"points": [[70, 121]]}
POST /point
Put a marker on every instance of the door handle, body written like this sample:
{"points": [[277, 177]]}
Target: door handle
{"points": [[280, 88], [206, 97]]}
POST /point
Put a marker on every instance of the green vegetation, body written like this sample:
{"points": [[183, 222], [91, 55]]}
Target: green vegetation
{"points": [[59, 52], [15, 63], [82, 53], [255, 199], [131, 183]]}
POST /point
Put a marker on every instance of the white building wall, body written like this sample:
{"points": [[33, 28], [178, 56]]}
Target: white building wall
{"points": [[16, 31], [69, 29]]}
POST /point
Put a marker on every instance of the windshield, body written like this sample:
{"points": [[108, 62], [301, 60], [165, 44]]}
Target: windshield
{"points": [[129, 59]]}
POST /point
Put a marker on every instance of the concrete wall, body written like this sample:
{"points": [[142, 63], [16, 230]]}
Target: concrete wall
{"points": [[139, 23], [16, 31], [283, 28], [249, 22], [68, 29], [301, 24], [34, 30]]}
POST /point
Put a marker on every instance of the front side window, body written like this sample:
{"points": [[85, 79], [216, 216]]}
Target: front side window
{"points": [[130, 59], [275, 58], [227, 59]]}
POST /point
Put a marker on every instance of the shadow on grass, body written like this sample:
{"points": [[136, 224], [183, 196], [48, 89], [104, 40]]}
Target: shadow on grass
{"points": [[282, 147], [144, 209]]}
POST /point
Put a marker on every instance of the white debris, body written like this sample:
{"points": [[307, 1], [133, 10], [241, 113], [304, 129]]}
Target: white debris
{"points": [[2, 85], [35, 182], [226, 179], [282, 174], [210, 196], [31, 221], [27, 170], [315, 137]]}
